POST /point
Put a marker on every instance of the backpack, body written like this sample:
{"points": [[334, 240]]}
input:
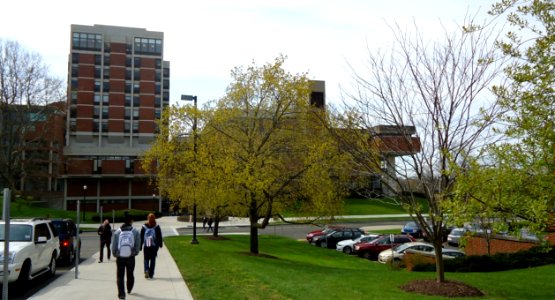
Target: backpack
{"points": [[150, 237], [126, 243]]}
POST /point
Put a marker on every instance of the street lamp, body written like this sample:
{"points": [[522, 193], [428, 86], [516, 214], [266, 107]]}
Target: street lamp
{"points": [[84, 199], [194, 99], [153, 202]]}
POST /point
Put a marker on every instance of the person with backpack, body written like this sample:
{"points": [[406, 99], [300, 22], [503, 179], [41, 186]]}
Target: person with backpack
{"points": [[105, 233], [151, 241], [126, 244]]}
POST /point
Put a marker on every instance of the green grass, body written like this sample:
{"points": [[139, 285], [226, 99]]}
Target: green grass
{"points": [[287, 269], [24, 209], [354, 206]]}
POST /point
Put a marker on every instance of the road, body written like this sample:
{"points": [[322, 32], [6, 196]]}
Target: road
{"points": [[89, 247]]}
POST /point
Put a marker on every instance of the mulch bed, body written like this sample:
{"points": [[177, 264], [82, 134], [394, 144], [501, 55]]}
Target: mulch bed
{"points": [[447, 288]]}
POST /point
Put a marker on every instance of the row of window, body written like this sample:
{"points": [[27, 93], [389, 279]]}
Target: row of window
{"points": [[129, 62], [135, 87], [99, 73], [93, 41], [104, 98], [128, 126], [105, 113]]}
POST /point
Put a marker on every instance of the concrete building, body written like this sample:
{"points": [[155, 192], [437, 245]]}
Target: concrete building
{"points": [[118, 84]]}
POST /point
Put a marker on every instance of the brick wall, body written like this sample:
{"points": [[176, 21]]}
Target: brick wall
{"points": [[477, 245]]}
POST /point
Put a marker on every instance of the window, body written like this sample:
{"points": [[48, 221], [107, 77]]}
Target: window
{"points": [[158, 75], [97, 85], [72, 124], [157, 101], [96, 112], [127, 126], [104, 114], [73, 83], [166, 84], [128, 113], [97, 59], [157, 88], [97, 71], [137, 74], [157, 113], [107, 47], [106, 86], [74, 71], [135, 126], [86, 41], [73, 112], [166, 72], [128, 87], [105, 99], [74, 58], [135, 113], [136, 100], [107, 59], [96, 98], [137, 62], [128, 61], [148, 46], [73, 97], [95, 125], [136, 87], [128, 99], [158, 63], [106, 72], [104, 125]]}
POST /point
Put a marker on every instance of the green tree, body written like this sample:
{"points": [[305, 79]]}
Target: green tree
{"points": [[521, 171], [272, 150], [26, 89], [438, 90]]}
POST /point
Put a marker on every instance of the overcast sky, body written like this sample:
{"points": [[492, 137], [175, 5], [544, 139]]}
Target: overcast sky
{"points": [[204, 40]]}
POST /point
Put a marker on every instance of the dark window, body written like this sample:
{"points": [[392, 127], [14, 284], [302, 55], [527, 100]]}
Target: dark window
{"points": [[97, 71], [106, 86], [104, 114], [95, 126], [136, 87], [106, 72], [148, 46], [74, 58], [137, 74], [97, 59], [128, 99], [73, 112], [96, 98], [104, 125], [128, 61], [97, 85], [74, 83], [158, 63], [96, 112], [317, 99], [128, 86], [166, 72], [137, 62], [136, 100], [157, 101], [166, 84], [74, 71], [107, 59], [166, 96], [128, 74], [158, 75], [157, 89], [128, 113], [107, 47], [86, 41]]}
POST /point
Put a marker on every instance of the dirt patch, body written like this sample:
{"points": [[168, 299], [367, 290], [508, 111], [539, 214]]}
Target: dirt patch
{"points": [[259, 255], [447, 288]]}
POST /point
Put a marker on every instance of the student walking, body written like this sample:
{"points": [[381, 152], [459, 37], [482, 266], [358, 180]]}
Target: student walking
{"points": [[126, 244], [151, 241], [210, 220], [105, 233]]}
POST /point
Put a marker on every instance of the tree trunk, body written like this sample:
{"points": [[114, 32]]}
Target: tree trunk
{"points": [[253, 220], [216, 226], [440, 270]]}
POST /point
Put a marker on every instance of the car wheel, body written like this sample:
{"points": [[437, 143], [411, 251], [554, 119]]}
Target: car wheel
{"points": [[367, 255], [347, 250], [324, 244], [52, 265], [24, 274]]}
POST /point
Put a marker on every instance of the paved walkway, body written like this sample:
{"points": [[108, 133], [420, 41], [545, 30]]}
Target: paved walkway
{"points": [[98, 280]]}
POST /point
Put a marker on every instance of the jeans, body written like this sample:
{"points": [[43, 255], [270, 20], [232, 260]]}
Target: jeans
{"points": [[125, 264], [104, 243], [150, 260]]}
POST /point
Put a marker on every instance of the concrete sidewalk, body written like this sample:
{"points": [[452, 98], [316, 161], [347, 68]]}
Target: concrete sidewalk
{"points": [[98, 280]]}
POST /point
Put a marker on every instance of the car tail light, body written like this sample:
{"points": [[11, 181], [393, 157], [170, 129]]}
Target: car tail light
{"points": [[65, 243]]}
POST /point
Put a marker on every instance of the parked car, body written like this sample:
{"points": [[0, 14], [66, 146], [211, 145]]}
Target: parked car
{"points": [[454, 238], [327, 229], [413, 229], [371, 249], [67, 234], [452, 253], [34, 249], [396, 253], [331, 239], [347, 246]]}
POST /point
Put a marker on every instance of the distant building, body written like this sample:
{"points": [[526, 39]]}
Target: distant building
{"points": [[118, 84]]}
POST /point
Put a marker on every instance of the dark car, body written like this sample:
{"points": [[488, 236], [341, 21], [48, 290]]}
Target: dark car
{"points": [[327, 229], [371, 249], [331, 239], [67, 232]]}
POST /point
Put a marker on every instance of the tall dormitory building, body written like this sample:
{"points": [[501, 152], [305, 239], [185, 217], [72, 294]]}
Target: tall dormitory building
{"points": [[118, 84]]}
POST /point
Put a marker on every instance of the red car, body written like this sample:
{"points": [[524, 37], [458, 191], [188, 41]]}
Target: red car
{"points": [[370, 250], [327, 229]]}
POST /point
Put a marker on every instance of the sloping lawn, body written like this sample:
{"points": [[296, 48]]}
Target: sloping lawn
{"points": [[287, 269]]}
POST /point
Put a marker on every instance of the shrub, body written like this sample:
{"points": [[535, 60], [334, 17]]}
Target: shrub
{"points": [[537, 256]]}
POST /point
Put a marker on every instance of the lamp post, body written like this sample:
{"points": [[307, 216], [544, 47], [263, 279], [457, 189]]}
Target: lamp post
{"points": [[84, 199], [153, 202], [194, 99]]}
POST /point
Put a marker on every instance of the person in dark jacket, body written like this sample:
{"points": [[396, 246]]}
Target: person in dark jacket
{"points": [[151, 241], [125, 254], [105, 233]]}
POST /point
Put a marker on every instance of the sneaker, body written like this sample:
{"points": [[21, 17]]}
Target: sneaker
{"points": [[99, 261], [146, 275], [121, 297], [129, 291]]}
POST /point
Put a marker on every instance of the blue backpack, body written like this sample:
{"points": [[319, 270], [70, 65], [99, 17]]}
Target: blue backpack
{"points": [[150, 236]]}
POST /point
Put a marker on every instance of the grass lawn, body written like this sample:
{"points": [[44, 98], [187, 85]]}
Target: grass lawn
{"points": [[373, 207], [287, 269]]}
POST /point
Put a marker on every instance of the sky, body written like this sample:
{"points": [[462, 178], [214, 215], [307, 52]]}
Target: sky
{"points": [[205, 40]]}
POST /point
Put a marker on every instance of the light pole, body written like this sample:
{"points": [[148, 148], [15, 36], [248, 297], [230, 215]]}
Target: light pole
{"points": [[194, 99], [84, 199], [153, 203]]}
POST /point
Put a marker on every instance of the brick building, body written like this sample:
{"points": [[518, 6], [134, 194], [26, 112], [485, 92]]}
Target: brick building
{"points": [[118, 84]]}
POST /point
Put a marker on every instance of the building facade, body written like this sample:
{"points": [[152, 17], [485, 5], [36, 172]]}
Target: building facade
{"points": [[118, 84]]}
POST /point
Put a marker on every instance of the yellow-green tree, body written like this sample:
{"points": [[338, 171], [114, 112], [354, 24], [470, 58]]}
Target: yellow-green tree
{"points": [[270, 150]]}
